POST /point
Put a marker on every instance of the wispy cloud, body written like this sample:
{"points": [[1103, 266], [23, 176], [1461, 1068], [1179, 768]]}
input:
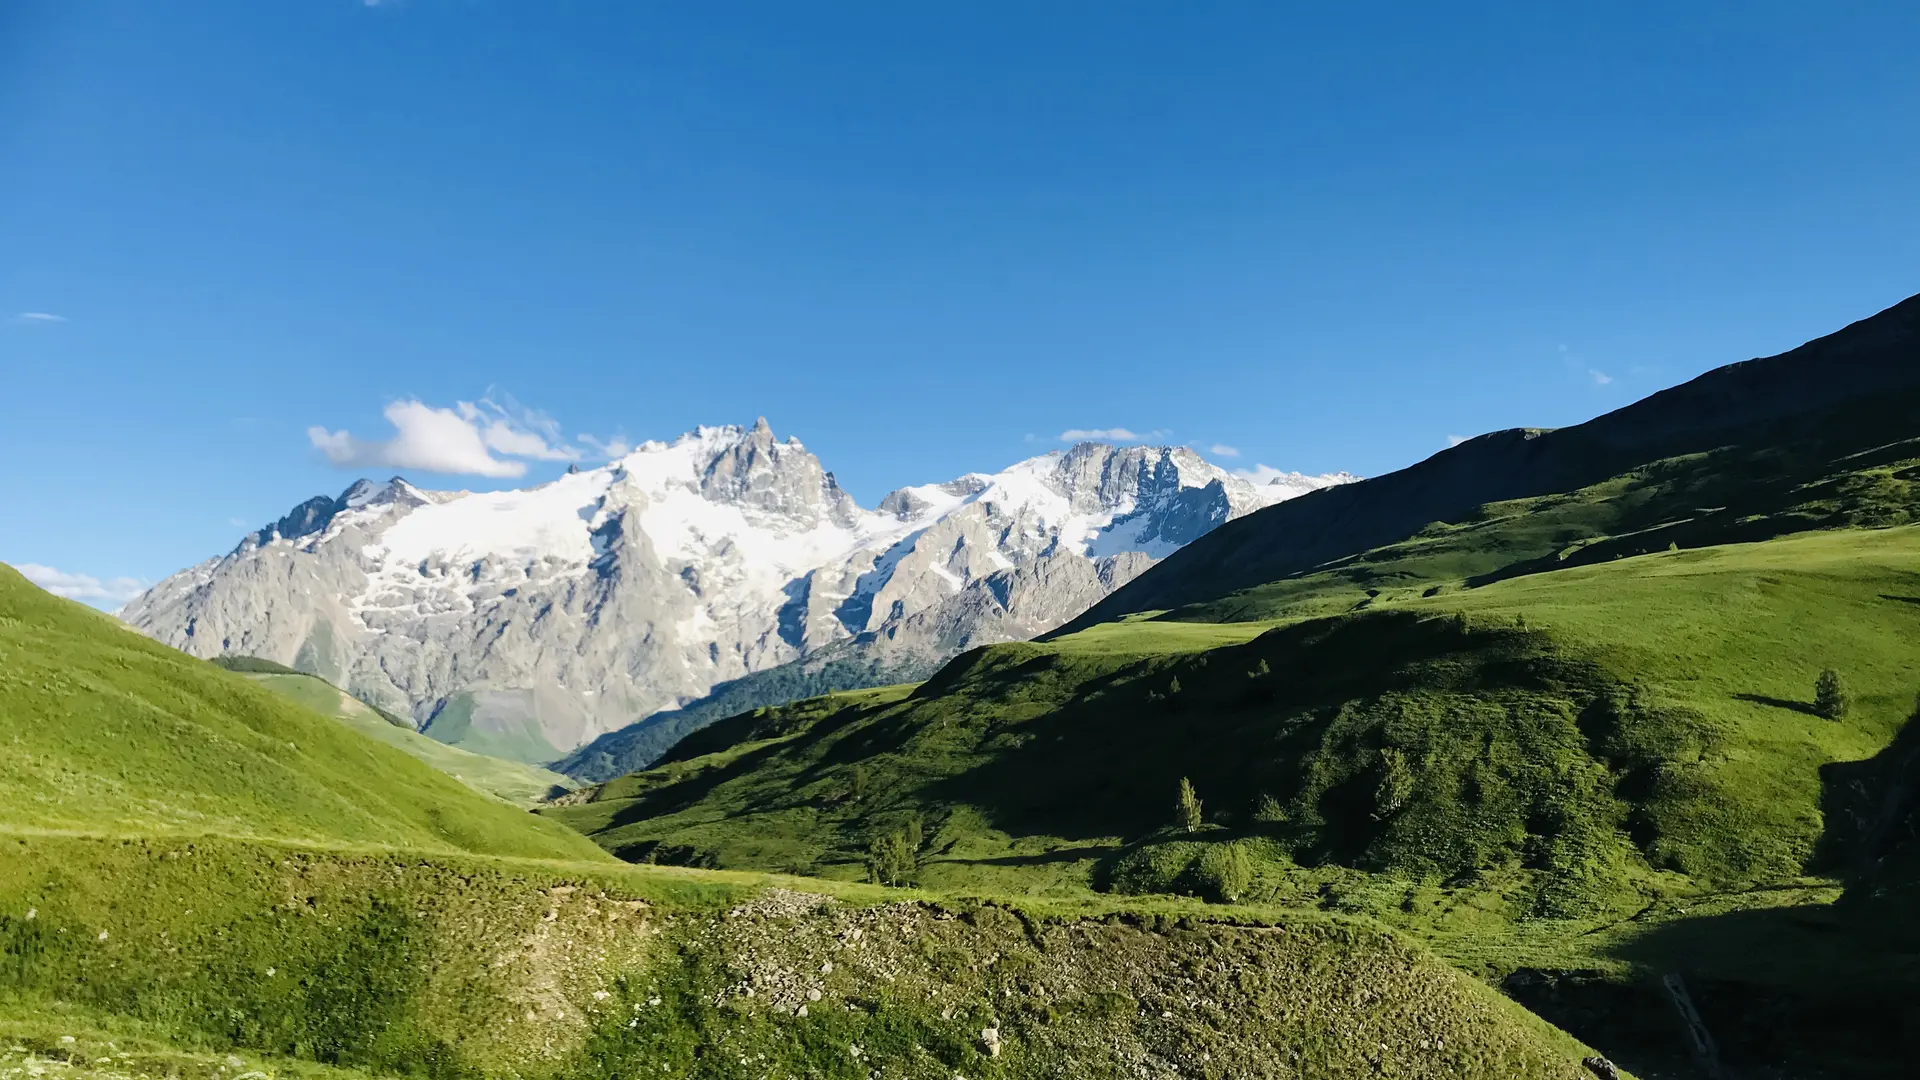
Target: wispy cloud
{"points": [[1112, 434], [1456, 440], [42, 317], [83, 587], [1266, 474], [493, 437], [608, 449], [1223, 450], [1600, 378]]}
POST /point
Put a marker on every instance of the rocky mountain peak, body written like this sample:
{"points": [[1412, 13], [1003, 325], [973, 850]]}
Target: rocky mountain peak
{"points": [[1101, 476], [560, 611], [752, 467]]}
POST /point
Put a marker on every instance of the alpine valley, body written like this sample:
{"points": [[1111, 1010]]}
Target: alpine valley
{"points": [[680, 583]]}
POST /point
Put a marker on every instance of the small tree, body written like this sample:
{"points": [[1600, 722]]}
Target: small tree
{"points": [[889, 860], [1173, 688], [1187, 809], [915, 833], [1830, 697]]}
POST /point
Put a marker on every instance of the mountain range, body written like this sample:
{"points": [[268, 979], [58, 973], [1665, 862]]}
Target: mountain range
{"points": [[528, 623]]}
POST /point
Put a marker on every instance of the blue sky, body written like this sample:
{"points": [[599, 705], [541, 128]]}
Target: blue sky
{"points": [[926, 239]]}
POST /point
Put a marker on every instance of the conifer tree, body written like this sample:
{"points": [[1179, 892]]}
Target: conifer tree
{"points": [[1830, 697], [1188, 807]]}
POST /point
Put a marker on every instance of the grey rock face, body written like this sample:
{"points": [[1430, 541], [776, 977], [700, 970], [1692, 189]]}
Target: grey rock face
{"points": [[526, 623]]}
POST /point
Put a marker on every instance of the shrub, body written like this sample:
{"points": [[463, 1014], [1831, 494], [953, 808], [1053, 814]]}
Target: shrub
{"points": [[1223, 872], [1156, 868], [1830, 697], [1395, 788]]}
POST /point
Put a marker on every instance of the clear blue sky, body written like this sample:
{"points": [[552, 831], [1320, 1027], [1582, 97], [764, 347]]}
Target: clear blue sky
{"points": [[924, 238]]}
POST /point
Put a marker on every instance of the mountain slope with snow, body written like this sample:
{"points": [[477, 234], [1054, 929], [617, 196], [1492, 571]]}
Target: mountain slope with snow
{"points": [[526, 623]]}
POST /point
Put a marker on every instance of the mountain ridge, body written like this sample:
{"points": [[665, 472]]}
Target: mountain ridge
{"points": [[1871, 356], [526, 623]]}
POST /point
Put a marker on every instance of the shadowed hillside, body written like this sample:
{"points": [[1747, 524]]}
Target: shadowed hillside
{"points": [[1869, 371]]}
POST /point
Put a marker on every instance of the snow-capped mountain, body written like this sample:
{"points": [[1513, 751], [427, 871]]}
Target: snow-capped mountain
{"points": [[525, 623]]}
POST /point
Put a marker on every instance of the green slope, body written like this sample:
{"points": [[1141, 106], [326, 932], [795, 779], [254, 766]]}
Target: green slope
{"points": [[509, 780], [109, 732], [199, 877]]}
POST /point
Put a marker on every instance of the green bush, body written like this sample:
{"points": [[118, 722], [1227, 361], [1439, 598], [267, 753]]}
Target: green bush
{"points": [[1395, 787], [1223, 872], [1156, 868], [1268, 811]]}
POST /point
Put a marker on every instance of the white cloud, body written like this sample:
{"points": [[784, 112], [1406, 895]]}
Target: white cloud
{"points": [[83, 587], [39, 317], [1223, 450], [494, 438], [510, 428], [1456, 440], [436, 440], [1600, 378], [1112, 434], [1264, 474]]}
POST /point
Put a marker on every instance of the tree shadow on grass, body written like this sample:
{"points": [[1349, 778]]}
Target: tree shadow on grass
{"points": [[1779, 703], [1804, 991], [1810, 990], [1044, 858]]}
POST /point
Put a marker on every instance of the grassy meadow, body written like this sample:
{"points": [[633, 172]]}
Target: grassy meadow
{"points": [[200, 877]]}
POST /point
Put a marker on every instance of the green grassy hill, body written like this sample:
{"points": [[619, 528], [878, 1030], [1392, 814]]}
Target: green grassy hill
{"points": [[110, 733], [1588, 731], [200, 877], [521, 784]]}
